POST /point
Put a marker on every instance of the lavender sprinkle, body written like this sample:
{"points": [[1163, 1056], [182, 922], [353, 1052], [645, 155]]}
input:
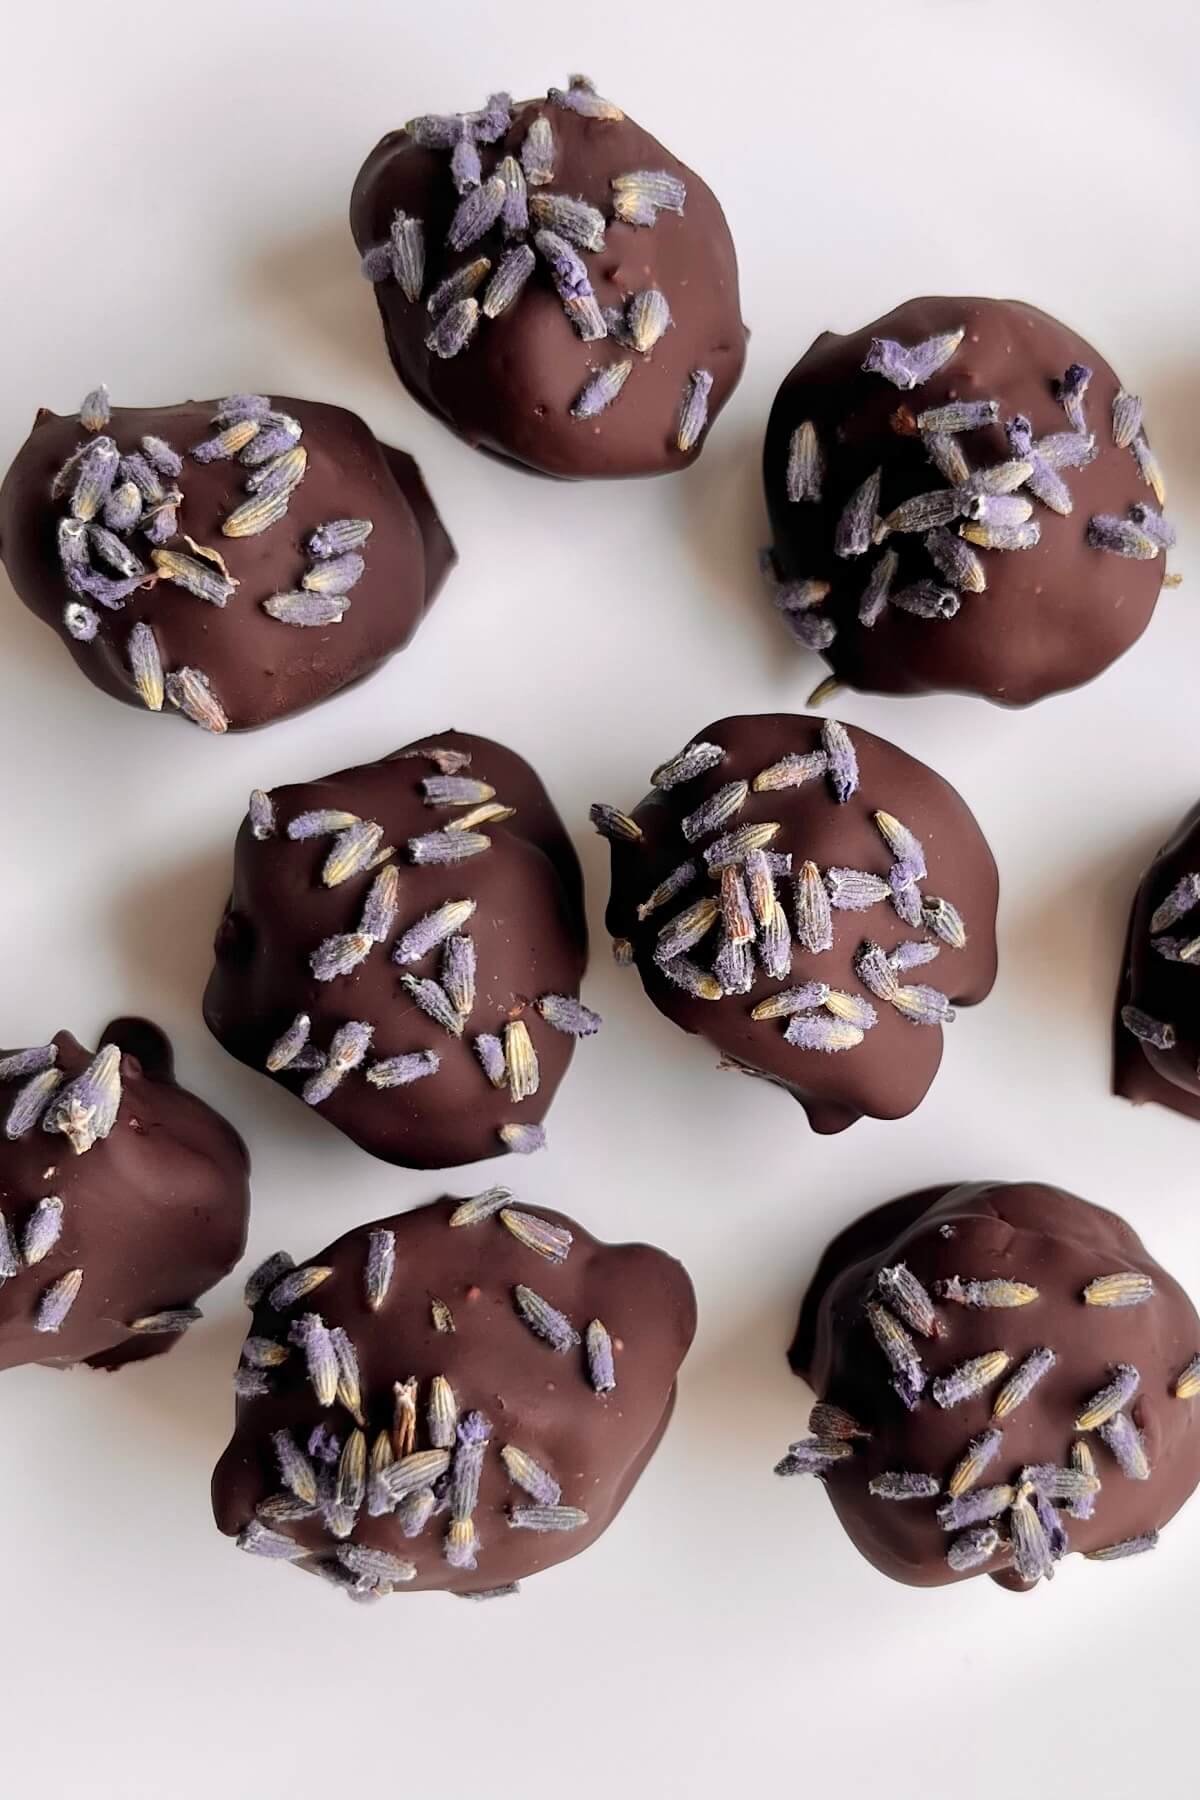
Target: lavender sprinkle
{"points": [[601, 1368], [190, 691], [347, 1049], [1112, 1398], [264, 1277], [454, 329], [973, 1549], [909, 1373], [57, 1301], [525, 1473], [600, 390], [81, 621], [693, 415], [338, 536], [903, 1485], [512, 272], [522, 1140], [969, 1379], [289, 1044], [908, 366], [1022, 1382], [441, 847], [545, 1320], [805, 465], [575, 290], [1128, 1288], [339, 956], [974, 1507], [537, 152], [981, 1452], [296, 1284], [95, 409], [547, 1518], [1121, 537], [856, 524], [402, 1071], [1132, 1546], [909, 1297]]}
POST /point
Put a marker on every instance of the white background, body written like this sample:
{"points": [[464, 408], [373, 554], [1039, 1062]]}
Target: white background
{"points": [[174, 191]]}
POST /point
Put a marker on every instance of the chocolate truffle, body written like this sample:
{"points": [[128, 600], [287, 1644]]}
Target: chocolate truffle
{"points": [[554, 285], [403, 949], [454, 1398], [234, 561], [782, 890], [962, 498], [122, 1198], [1004, 1375], [1157, 1038]]}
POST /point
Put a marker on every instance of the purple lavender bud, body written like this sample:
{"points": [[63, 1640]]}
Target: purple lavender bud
{"points": [[258, 1539], [492, 120], [338, 536], [969, 1379], [261, 814], [454, 329], [43, 1228], [903, 1484], [715, 811], [514, 214], [911, 953], [137, 470], [787, 1004], [295, 1470], [57, 1301], [973, 1549], [436, 131], [601, 1371], [414, 1511], [1127, 1445], [926, 600], [974, 1508], [955, 560], [904, 894], [241, 406], [537, 152], [647, 318], [95, 474], [733, 966], [81, 622], [853, 890], [312, 1335], [465, 169], [547, 1518], [852, 536], [85, 1110], [805, 465], [1160, 531], [811, 1456], [545, 1320], [347, 1049], [599, 392], [923, 1005], [693, 412], [1033, 1547], [376, 263], [490, 1052], [476, 213], [908, 366], [843, 763], [264, 1277], [459, 286], [924, 512], [512, 272], [402, 1071], [1181, 900], [980, 1454], [380, 906], [1133, 1546], [10, 1256], [95, 409], [814, 921], [1150, 1031], [340, 955], [272, 441], [691, 978], [443, 847], [814, 1031], [324, 1445], [909, 1297], [686, 929], [812, 630], [458, 974], [306, 610], [905, 846], [162, 457], [1126, 418], [574, 220], [946, 454], [434, 1002], [998, 509], [472, 1434], [406, 251], [944, 920], [33, 1061], [581, 97], [319, 824], [570, 278], [1069, 393], [335, 575], [379, 1567], [123, 508], [284, 1051], [106, 592], [959, 415], [1022, 1382], [875, 972], [901, 1352], [568, 1015], [525, 1473], [775, 945], [1066, 450]]}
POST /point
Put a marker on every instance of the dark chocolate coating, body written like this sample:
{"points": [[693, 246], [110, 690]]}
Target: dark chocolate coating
{"points": [[260, 668], [535, 1398], [1167, 991], [511, 390], [528, 928], [1053, 1241], [888, 1074], [1051, 617], [154, 1214]]}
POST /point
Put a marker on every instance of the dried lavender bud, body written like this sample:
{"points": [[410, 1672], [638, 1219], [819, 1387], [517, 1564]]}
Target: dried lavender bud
{"points": [[81, 622], [10, 1256], [431, 931], [347, 1049], [547, 1518], [973, 1549], [433, 1000], [453, 329], [926, 600], [1159, 1035], [923, 1005], [57, 1301], [95, 409], [945, 453], [305, 609], [814, 922], [460, 286], [842, 761], [338, 536], [811, 1457], [974, 1507], [1126, 418], [980, 1454], [1158, 529], [1128, 1288], [340, 955], [440, 847], [522, 1140], [969, 1379], [806, 464], [908, 1371], [911, 953], [415, 1510], [686, 929], [409, 1474], [599, 392], [909, 366], [402, 1071], [520, 1062], [1127, 1445], [458, 974], [545, 1320], [827, 1421], [908, 1296], [795, 1000], [944, 920], [28, 1062], [465, 169], [539, 1235], [959, 415], [512, 272], [566, 1014], [574, 220], [956, 561], [647, 318], [856, 524], [791, 772], [1150, 469], [490, 1052], [735, 846], [296, 1284], [924, 512], [476, 213], [1187, 1382], [582, 98], [263, 1278], [529, 1475], [903, 1485], [85, 1110], [809, 1031], [472, 1435], [853, 890], [95, 474], [691, 978], [1112, 1398], [715, 811], [998, 1292], [335, 576], [480, 1207], [1022, 1382], [693, 413], [1183, 897], [905, 847], [1121, 537], [313, 1337], [1133, 1546], [1069, 393], [225, 444], [575, 290], [537, 152], [733, 966], [170, 1320], [123, 508]]}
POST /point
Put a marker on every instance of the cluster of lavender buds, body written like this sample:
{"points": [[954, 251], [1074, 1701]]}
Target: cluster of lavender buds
{"points": [[740, 926], [84, 1111], [512, 208], [335, 566], [508, 1058], [977, 509], [426, 1461], [1173, 946], [1021, 1522], [114, 497]]}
